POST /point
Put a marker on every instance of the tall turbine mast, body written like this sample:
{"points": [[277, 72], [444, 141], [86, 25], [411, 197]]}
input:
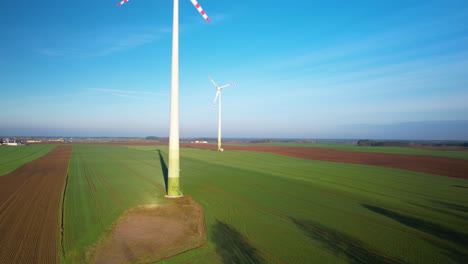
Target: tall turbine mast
{"points": [[219, 89], [173, 185]]}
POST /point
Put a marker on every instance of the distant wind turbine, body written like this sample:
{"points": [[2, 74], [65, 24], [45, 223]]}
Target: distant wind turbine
{"points": [[173, 189], [219, 89]]}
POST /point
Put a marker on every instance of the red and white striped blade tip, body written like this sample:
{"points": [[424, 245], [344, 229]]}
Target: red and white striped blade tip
{"points": [[123, 2], [200, 10]]}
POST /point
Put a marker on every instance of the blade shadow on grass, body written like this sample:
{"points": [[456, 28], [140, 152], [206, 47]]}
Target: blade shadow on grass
{"points": [[443, 211], [423, 225], [449, 235], [164, 169], [342, 245], [233, 247], [452, 206]]}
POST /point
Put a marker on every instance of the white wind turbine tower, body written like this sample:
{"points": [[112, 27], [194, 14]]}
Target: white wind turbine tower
{"points": [[173, 189], [219, 89]]}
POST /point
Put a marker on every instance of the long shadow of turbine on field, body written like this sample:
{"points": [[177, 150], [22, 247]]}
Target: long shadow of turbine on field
{"points": [[445, 233], [342, 245], [456, 207], [423, 225], [164, 169], [443, 211], [233, 247]]}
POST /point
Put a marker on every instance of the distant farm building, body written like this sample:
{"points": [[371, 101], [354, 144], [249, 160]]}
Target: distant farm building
{"points": [[56, 140], [8, 142], [33, 141], [199, 142]]}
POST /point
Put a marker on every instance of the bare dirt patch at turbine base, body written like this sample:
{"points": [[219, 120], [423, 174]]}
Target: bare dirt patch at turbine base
{"points": [[149, 234], [30, 201]]}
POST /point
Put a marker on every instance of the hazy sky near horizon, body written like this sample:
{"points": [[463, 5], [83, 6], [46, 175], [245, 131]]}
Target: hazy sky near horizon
{"points": [[314, 69]]}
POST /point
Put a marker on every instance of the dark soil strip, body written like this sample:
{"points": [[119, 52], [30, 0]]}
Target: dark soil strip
{"points": [[30, 203], [62, 214], [450, 167]]}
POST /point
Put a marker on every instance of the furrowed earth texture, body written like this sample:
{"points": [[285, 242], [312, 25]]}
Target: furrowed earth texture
{"points": [[274, 203], [30, 205]]}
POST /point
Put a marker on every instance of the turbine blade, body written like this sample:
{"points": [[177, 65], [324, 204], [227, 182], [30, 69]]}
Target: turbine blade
{"points": [[213, 81], [123, 2], [200, 10], [227, 85], [216, 98]]}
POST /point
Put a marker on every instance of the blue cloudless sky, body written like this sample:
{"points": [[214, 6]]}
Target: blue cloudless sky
{"points": [[313, 69]]}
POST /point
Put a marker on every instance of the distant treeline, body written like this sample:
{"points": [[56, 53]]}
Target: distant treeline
{"points": [[160, 139], [283, 141], [373, 143], [463, 144], [264, 141], [385, 143]]}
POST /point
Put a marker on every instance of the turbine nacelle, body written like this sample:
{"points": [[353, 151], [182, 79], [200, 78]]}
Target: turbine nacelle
{"points": [[219, 89]]}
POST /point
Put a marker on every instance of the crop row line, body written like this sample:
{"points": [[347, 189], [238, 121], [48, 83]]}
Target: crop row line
{"points": [[159, 186], [114, 194]]}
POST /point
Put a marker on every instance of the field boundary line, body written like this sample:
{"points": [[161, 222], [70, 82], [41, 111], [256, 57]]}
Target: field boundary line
{"points": [[62, 208]]}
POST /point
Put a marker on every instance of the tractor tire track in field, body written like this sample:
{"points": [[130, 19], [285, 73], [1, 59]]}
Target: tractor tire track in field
{"points": [[118, 200], [234, 247], [30, 203], [450, 167], [92, 189]]}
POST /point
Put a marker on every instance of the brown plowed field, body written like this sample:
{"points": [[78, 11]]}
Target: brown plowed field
{"points": [[443, 166], [30, 201]]}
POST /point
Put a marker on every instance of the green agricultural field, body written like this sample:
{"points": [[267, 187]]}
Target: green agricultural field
{"points": [[103, 182], [393, 150], [267, 208], [11, 157]]}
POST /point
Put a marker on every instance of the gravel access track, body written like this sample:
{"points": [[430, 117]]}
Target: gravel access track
{"points": [[30, 206]]}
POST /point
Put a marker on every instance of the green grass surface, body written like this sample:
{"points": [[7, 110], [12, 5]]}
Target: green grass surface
{"points": [[12, 157], [350, 147], [103, 182], [267, 208]]}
